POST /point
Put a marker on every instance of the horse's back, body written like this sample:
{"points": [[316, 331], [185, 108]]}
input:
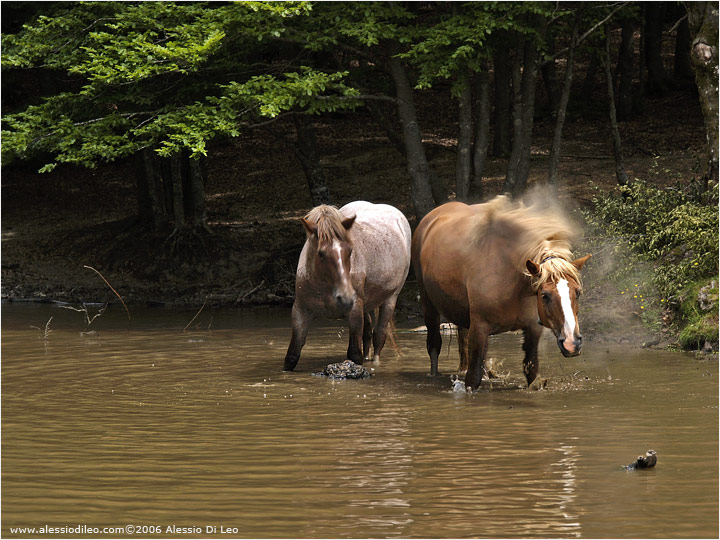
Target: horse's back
{"points": [[456, 267], [381, 239]]}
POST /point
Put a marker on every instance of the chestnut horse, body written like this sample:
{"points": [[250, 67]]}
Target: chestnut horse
{"points": [[354, 261], [495, 267]]}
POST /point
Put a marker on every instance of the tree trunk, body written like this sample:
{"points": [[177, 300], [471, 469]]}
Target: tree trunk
{"points": [[503, 93], [617, 143], [625, 70], [382, 120], [305, 149], [657, 80], [176, 178], [482, 135], [144, 203], [418, 167], [682, 68], [153, 181], [562, 108], [196, 177], [549, 75], [703, 19], [514, 160], [463, 163], [588, 85], [529, 84], [523, 113]]}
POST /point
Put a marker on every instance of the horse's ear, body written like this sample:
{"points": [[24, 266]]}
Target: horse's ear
{"points": [[578, 263], [310, 227], [533, 268], [347, 223]]}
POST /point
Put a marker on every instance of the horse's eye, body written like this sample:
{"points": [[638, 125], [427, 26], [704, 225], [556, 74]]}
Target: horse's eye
{"points": [[546, 297], [321, 254], [578, 293]]}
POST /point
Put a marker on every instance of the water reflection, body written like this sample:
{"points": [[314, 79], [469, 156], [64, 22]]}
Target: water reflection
{"points": [[162, 426]]}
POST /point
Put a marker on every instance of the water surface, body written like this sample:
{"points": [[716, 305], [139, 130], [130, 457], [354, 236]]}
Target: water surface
{"points": [[200, 428]]}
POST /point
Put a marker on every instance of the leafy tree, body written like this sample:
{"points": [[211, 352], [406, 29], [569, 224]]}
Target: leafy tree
{"points": [[159, 80]]}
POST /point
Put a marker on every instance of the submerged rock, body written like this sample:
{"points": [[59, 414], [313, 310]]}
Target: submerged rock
{"points": [[644, 462], [344, 370]]}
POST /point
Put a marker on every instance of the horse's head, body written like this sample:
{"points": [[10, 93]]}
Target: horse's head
{"points": [[331, 248], [558, 293]]}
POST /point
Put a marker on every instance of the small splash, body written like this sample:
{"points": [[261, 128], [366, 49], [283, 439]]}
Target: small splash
{"points": [[458, 385]]}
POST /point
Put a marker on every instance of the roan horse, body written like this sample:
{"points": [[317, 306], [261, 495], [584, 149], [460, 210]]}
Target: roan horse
{"points": [[354, 261], [495, 267]]}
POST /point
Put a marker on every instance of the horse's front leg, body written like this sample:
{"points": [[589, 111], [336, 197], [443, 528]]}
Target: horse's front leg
{"points": [[367, 335], [532, 335], [300, 323], [478, 337], [356, 318]]}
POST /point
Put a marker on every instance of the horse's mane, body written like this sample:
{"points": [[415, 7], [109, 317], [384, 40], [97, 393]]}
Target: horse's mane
{"points": [[329, 223], [540, 232]]}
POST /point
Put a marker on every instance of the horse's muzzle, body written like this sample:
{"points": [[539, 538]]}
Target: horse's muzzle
{"points": [[573, 349], [345, 302]]}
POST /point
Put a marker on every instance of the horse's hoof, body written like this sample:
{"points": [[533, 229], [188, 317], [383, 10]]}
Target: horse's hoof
{"points": [[538, 384]]}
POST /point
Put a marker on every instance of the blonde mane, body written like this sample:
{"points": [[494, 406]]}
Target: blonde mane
{"points": [[540, 232], [329, 223]]}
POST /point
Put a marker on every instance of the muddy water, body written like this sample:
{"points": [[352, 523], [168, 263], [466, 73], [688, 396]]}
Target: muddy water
{"points": [[157, 427]]}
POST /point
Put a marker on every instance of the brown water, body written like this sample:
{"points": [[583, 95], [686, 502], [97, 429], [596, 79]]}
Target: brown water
{"points": [[159, 427]]}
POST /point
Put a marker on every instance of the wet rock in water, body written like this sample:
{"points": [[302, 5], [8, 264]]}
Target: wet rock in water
{"points": [[644, 462], [344, 370]]}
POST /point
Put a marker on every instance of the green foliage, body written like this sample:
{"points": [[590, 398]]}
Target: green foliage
{"points": [[157, 74], [664, 226]]}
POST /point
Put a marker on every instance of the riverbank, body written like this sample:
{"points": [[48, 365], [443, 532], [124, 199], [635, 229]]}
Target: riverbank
{"points": [[55, 226]]}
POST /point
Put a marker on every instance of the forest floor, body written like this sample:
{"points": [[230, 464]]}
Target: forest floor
{"points": [[54, 225]]}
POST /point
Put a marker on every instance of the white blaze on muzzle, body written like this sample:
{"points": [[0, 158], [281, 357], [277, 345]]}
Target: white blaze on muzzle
{"points": [[563, 290]]}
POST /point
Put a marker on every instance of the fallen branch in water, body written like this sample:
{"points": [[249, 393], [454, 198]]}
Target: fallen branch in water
{"points": [[113, 290], [46, 333], [85, 310], [195, 317]]}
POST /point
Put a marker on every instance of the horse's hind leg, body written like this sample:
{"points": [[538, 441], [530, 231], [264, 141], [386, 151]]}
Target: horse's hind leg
{"points": [[532, 335], [381, 327], [434, 339], [477, 350], [463, 349]]}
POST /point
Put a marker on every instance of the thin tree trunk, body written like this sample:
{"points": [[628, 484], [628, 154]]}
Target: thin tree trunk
{"points": [[177, 191], [529, 84], [305, 149], [196, 176], [463, 163], [617, 142], [418, 167], [382, 120], [682, 68], [502, 115], [657, 79], [562, 108], [517, 118], [482, 135], [144, 203], [154, 185], [625, 70], [549, 75], [703, 19]]}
